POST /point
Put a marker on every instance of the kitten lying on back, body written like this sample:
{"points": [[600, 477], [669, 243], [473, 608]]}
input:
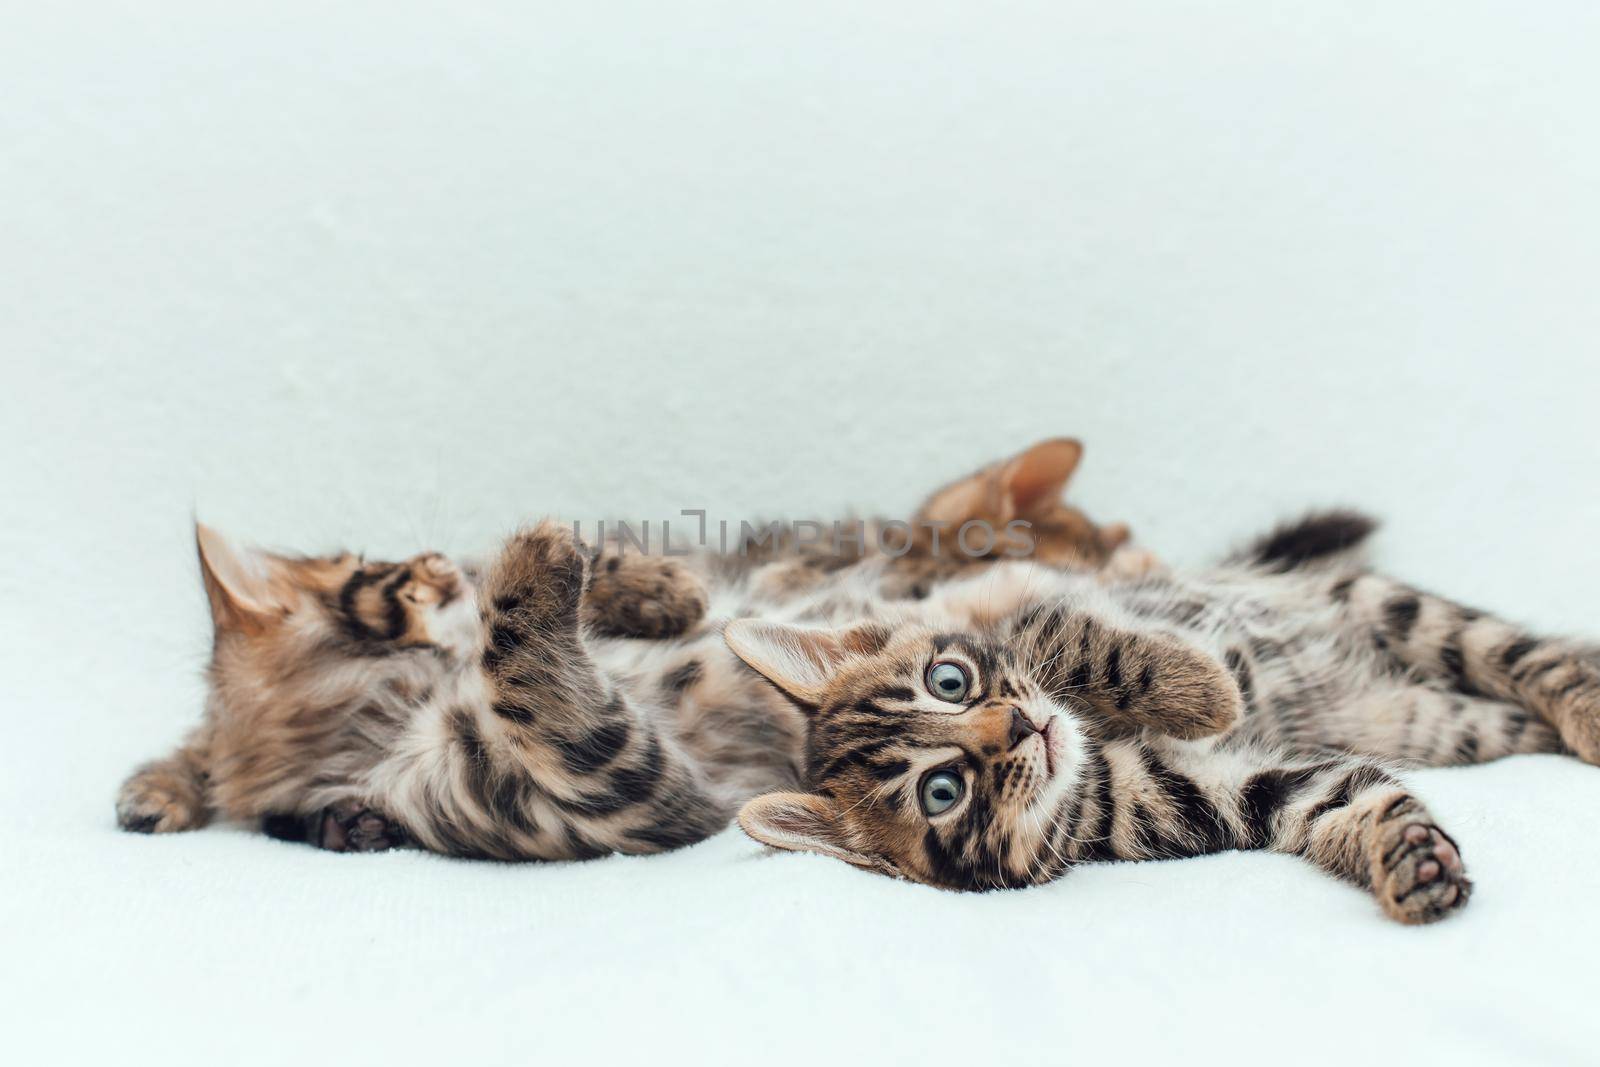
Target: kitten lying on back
{"points": [[332, 677], [1011, 723]]}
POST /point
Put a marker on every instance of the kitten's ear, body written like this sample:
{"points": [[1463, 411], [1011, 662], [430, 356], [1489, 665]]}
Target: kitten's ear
{"points": [[805, 822], [240, 583], [800, 660], [1036, 478], [1024, 484]]}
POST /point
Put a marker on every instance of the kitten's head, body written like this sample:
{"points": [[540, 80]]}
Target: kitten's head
{"points": [[343, 603], [313, 654], [930, 756], [1027, 488]]}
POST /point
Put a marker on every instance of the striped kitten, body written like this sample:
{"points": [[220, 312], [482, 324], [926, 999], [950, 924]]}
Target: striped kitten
{"points": [[1004, 753], [514, 713]]}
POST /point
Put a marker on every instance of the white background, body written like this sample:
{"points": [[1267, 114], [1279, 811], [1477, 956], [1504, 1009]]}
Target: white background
{"points": [[390, 276]]}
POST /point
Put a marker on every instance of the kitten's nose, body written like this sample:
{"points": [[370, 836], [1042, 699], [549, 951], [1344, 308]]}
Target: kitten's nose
{"points": [[1021, 728]]}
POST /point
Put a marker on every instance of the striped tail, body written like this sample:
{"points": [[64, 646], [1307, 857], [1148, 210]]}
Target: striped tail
{"points": [[1320, 537]]}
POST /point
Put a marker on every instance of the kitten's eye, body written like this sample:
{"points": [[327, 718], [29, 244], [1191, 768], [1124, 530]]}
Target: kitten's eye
{"points": [[940, 791], [948, 681]]}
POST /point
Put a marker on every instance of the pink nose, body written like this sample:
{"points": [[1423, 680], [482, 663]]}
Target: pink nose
{"points": [[1021, 729]]}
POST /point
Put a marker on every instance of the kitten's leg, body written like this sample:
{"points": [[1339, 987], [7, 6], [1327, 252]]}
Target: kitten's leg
{"points": [[631, 594], [1142, 679], [1434, 727], [1481, 655], [1350, 818], [168, 794], [558, 762]]}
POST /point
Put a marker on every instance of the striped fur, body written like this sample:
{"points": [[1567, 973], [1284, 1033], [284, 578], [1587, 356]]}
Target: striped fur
{"points": [[1312, 676], [1121, 715], [1037, 801], [514, 712]]}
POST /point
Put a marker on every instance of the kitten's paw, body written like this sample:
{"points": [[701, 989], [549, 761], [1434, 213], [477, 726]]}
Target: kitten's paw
{"points": [[1128, 564], [159, 800], [435, 579], [1417, 871], [1574, 706], [634, 595], [1192, 696], [350, 826], [540, 577], [1580, 731]]}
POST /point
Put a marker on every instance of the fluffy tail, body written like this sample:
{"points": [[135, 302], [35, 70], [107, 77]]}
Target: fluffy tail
{"points": [[1321, 536]]}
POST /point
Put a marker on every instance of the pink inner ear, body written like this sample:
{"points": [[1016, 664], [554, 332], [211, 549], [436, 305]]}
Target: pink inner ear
{"points": [[1038, 476]]}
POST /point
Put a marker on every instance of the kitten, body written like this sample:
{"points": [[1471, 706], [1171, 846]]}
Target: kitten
{"points": [[1004, 754], [482, 711], [1010, 509]]}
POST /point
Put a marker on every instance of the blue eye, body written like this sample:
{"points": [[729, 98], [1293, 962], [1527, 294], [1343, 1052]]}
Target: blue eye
{"points": [[940, 792], [949, 681]]}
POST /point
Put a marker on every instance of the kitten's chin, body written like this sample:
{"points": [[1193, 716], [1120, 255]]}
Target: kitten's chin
{"points": [[1063, 746]]}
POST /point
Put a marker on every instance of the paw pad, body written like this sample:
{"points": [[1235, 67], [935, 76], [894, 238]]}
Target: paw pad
{"points": [[1419, 876]]}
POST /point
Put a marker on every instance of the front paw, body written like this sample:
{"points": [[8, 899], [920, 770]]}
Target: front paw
{"points": [[633, 595], [158, 800], [1417, 871], [1192, 695], [435, 579]]}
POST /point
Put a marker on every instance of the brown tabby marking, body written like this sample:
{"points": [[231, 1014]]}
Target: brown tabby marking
{"points": [[1039, 793], [335, 682], [1296, 647]]}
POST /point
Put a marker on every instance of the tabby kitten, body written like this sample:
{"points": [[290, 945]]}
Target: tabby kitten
{"points": [[507, 713], [1003, 754]]}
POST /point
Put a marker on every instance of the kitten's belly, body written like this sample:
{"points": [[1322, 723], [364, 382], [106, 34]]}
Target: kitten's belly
{"points": [[1300, 674], [742, 735]]}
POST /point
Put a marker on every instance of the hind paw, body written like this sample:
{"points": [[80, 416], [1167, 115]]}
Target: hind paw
{"points": [[1417, 872], [351, 827], [540, 576], [1573, 686]]}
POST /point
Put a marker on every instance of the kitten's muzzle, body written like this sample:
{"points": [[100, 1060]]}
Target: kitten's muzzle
{"points": [[1021, 729]]}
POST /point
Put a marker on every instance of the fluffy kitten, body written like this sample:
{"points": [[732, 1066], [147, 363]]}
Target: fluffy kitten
{"points": [[505, 713]]}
